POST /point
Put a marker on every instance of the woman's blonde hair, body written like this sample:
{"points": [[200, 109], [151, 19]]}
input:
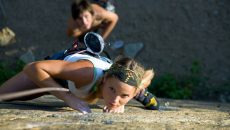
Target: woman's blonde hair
{"points": [[126, 70]]}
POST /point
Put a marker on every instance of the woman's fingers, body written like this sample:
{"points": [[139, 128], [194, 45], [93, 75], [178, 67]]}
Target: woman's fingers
{"points": [[105, 109], [77, 104], [84, 110], [83, 107], [114, 110]]}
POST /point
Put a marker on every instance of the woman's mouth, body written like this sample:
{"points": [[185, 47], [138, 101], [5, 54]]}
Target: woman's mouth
{"points": [[112, 105]]}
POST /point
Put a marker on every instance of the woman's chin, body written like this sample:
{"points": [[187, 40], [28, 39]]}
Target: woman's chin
{"points": [[112, 106]]}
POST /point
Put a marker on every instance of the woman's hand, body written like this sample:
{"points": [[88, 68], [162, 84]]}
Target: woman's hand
{"points": [[77, 104], [42, 73], [119, 109]]}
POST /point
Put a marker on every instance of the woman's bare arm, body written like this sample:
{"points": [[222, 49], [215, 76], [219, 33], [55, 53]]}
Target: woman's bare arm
{"points": [[42, 73]]}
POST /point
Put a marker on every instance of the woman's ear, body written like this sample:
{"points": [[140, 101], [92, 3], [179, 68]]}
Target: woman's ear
{"points": [[147, 78]]}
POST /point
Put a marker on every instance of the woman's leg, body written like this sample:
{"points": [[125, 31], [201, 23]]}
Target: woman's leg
{"points": [[147, 99], [19, 82]]}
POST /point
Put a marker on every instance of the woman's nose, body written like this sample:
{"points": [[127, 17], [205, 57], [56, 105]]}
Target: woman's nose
{"points": [[115, 100]]}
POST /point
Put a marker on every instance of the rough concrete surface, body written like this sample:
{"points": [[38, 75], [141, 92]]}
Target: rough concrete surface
{"points": [[49, 113]]}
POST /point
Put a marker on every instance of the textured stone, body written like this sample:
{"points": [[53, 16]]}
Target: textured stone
{"points": [[49, 113]]}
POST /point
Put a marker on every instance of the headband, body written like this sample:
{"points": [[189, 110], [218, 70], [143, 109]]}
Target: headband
{"points": [[124, 74]]}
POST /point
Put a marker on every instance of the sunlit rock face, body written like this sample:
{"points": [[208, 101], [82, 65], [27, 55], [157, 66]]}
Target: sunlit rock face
{"points": [[48, 112]]}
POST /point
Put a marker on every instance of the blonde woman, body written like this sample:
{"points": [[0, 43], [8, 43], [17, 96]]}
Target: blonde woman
{"points": [[87, 79]]}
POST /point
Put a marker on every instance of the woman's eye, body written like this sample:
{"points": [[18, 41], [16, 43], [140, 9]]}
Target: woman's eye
{"points": [[125, 96]]}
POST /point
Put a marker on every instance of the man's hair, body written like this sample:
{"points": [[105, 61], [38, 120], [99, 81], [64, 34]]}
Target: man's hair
{"points": [[79, 6]]}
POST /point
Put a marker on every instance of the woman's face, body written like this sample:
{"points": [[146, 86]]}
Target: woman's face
{"points": [[85, 20], [116, 92]]}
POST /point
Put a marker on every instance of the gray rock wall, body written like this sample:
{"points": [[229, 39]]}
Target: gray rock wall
{"points": [[174, 33]]}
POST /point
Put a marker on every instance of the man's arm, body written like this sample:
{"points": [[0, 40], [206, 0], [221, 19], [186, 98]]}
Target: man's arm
{"points": [[109, 20], [72, 30]]}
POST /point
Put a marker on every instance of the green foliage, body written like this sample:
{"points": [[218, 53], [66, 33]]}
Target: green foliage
{"points": [[171, 86], [7, 71]]}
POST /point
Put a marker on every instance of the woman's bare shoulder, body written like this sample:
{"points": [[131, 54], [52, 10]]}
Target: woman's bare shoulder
{"points": [[80, 72]]}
